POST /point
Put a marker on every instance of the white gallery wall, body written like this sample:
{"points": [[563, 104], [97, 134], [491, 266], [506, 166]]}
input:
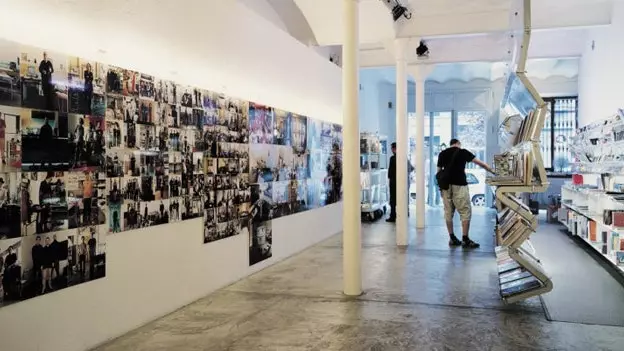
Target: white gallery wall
{"points": [[218, 45], [601, 72]]}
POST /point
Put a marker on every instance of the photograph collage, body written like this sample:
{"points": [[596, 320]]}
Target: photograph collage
{"points": [[89, 150]]}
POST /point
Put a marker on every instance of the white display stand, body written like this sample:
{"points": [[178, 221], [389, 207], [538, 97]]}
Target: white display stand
{"points": [[520, 169]]}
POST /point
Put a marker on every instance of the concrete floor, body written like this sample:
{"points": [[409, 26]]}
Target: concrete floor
{"points": [[425, 297]]}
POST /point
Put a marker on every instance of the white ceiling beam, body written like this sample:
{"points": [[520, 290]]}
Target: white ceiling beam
{"points": [[491, 47]]}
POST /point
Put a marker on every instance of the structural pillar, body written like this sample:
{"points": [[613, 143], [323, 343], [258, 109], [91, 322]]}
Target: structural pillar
{"points": [[351, 234], [420, 73], [402, 180]]}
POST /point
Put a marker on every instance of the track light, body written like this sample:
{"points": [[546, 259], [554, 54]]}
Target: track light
{"points": [[397, 9], [422, 51]]}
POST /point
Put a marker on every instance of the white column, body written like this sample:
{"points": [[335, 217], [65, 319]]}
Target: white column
{"points": [[351, 234], [420, 73], [402, 189]]}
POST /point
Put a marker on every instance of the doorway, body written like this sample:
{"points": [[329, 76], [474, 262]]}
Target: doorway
{"points": [[440, 127]]}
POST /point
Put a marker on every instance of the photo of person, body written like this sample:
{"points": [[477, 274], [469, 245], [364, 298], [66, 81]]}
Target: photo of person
{"points": [[45, 79], [260, 124], [114, 201], [281, 130], [10, 139], [152, 213], [147, 111], [114, 81], [114, 108], [43, 200], [147, 89], [260, 242], [86, 79], [174, 209], [326, 136], [191, 207], [165, 91], [336, 138], [85, 198], [10, 81], [86, 142], [130, 83], [299, 133], [262, 204], [45, 145], [173, 116], [10, 205], [114, 136], [185, 96], [211, 107]]}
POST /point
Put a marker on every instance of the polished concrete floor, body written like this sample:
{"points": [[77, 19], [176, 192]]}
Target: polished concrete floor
{"points": [[425, 297]]}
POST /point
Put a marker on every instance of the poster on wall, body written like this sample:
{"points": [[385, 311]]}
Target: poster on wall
{"points": [[10, 139], [45, 79], [260, 242], [35, 265], [45, 141], [89, 150], [10, 81]]}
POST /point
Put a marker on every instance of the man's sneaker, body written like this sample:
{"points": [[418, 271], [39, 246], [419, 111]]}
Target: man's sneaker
{"points": [[469, 244], [453, 241]]}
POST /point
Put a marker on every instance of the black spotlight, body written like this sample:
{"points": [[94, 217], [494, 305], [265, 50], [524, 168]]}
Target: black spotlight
{"points": [[398, 11], [422, 51]]}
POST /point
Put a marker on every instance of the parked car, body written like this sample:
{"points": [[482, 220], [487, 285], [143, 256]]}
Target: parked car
{"points": [[476, 186]]}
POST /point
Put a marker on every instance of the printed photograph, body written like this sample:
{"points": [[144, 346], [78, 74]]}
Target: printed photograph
{"points": [[147, 89], [44, 202], [260, 124], [314, 134], [86, 198], [45, 79], [263, 163], [40, 264], [86, 80], [10, 139], [185, 96], [114, 108], [282, 131], [130, 85], [114, 80], [10, 205], [113, 132], [165, 91], [147, 111], [174, 209], [191, 207], [114, 201], [86, 143], [10, 81], [299, 133], [262, 204], [45, 144], [260, 242]]}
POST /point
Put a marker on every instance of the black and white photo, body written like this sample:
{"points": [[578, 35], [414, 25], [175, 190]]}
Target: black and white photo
{"points": [[45, 144], [260, 242], [45, 79], [44, 202]]}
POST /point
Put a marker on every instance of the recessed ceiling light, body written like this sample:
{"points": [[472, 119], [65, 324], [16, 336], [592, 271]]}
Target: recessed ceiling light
{"points": [[101, 51], [174, 72]]}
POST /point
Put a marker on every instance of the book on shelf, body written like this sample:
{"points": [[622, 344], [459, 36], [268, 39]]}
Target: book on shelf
{"points": [[516, 274], [519, 286]]}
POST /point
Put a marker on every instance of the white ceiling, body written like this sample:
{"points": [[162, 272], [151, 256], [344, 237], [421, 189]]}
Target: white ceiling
{"points": [[455, 30]]}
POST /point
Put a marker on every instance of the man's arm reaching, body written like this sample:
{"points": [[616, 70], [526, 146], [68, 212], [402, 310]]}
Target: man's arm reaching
{"points": [[483, 165]]}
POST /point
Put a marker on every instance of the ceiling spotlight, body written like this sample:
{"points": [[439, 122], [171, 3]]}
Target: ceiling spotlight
{"points": [[398, 10], [422, 51]]}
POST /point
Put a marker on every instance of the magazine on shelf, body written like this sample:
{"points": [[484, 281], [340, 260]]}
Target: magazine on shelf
{"points": [[514, 275], [519, 286], [502, 268]]}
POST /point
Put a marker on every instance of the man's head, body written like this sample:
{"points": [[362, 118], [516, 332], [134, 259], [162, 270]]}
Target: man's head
{"points": [[455, 143], [45, 55], [38, 240], [393, 148]]}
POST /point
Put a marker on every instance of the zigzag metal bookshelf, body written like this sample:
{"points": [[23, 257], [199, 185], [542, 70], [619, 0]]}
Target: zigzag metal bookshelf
{"points": [[520, 169]]}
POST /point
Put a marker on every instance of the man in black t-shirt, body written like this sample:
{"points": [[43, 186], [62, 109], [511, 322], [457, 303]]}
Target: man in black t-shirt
{"points": [[457, 196]]}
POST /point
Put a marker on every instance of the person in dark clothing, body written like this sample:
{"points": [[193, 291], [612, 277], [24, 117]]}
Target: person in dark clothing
{"points": [[37, 254], [10, 259], [457, 197], [392, 182], [47, 259], [45, 133], [46, 70], [55, 248], [88, 88], [45, 192], [92, 243]]}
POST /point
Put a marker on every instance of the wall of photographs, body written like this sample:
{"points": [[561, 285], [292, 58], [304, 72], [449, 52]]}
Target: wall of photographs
{"points": [[90, 150]]}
